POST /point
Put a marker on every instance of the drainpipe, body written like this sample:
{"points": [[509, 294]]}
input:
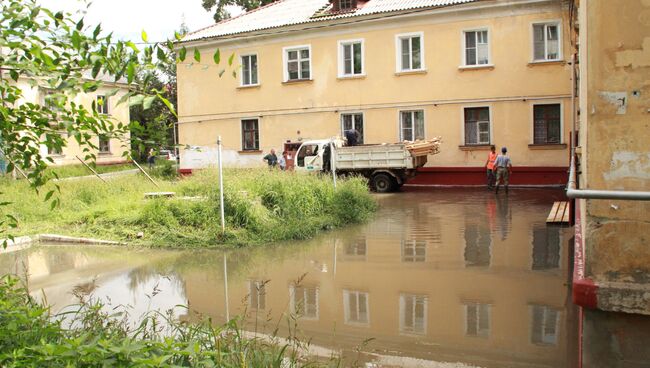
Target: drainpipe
{"points": [[572, 192]]}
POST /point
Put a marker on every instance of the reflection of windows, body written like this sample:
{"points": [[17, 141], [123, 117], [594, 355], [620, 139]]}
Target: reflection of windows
{"points": [[355, 306], [477, 319], [304, 301], [544, 322], [355, 249], [477, 245], [546, 247], [257, 295], [414, 250], [413, 313]]}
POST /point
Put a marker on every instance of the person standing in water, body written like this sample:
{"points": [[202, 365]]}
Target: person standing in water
{"points": [[503, 169]]}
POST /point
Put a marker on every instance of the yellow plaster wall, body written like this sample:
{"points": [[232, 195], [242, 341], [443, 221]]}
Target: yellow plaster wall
{"points": [[314, 107]]}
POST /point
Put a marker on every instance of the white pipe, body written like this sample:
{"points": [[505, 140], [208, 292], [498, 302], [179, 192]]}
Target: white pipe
{"points": [[333, 162]]}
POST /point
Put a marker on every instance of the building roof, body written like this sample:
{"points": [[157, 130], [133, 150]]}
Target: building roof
{"points": [[292, 12]]}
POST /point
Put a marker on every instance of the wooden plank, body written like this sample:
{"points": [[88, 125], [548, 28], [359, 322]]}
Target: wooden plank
{"points": [[551, 215], [560, 212], [567, 211]]}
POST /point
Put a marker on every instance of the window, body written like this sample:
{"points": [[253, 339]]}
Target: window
{"points": [[414, 250], [345, 4], [102, 104], [104, 144], [257, 295], [297, 63], [477, 50], [308, 150], [355, 250], [351, 58], [477, 319], [355, 307], [547, 124], [54, 151], [544, 325], [411, 125], [477, 125], [249, 70], [477, 245], [352, 121], [413, 314], [304, 301], [546, 247], [250, 135], [546, 42], [410, 54]]}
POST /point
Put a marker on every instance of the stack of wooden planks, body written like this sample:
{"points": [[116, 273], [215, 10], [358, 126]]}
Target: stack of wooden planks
{"points": [[424, 148], [559, 213]]}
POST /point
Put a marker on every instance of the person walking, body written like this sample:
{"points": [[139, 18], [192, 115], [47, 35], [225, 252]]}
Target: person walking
{"points": [[489, 165], [271, 159], [503, 169]]}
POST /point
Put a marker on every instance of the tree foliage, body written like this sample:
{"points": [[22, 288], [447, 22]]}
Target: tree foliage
{"points": [[219, 6]]}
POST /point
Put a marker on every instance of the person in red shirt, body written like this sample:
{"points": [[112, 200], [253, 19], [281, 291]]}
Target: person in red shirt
{"points": [[489, 165]]}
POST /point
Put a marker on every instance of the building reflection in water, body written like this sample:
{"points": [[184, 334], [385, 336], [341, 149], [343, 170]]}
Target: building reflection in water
{"points": [[433, 277]]}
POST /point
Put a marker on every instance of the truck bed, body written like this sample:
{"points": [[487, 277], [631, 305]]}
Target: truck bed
{"points": [[377, 156]]}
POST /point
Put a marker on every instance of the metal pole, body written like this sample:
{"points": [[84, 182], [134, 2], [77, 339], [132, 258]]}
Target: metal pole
{"points": [[223, 218], [175, 146], [90, 168], [333, 162], [225, 286], [145, 173]]}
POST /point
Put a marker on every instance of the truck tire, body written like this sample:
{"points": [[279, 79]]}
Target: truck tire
{"points": [[382, 183]]}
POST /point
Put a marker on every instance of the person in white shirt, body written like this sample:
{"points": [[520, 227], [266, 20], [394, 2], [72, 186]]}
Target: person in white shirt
{"points": [[503, 169]]}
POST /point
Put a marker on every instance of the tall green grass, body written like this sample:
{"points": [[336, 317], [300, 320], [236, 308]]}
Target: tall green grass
{"points": [[88, 336], [261, 206]]}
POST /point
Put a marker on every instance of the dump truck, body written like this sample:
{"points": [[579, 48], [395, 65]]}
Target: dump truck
{"points": [[387, 166]]}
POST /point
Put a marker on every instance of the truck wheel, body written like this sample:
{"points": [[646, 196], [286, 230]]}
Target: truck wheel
{"points": [[382, 183]]}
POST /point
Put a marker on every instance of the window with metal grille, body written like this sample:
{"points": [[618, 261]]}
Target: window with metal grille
{"points": [[411, 125], [547, 124], [249, 70], [298, 64], [477, 125], [546, 41], [250, 135], [476, 48]]}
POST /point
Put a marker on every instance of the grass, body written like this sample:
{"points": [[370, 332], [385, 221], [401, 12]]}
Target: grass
{"points": [[261, 206], [87, 336], [67, 171]]}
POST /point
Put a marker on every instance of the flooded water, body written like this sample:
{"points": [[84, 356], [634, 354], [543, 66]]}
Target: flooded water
{"points": [[457, 276]]}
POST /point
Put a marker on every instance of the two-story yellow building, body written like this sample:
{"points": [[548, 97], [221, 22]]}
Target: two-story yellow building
{"points": [[476, 72]]}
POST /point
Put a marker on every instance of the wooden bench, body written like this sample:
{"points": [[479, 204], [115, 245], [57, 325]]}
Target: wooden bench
{"points": [[559, 213]]}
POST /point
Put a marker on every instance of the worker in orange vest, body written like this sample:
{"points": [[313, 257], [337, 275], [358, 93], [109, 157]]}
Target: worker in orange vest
{"points": [[489, 165]]}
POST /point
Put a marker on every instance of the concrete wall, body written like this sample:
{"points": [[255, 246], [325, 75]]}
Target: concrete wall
{"points": [[614, 123], [210, 105], [119, 113]]}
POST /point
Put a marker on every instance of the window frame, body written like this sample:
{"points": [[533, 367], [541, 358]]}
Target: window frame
{"points": [[285, 63], [241, 62], [347, 312], [462, 125], [463, 50], [532, 121], [560, 38], [363, 124], [292, 301], [558, 319], [99, 144], [477, 304], [241, 134], [259, 288], [398, 52], [341, 61], [105, 106], [399, 123], [410, 330]]}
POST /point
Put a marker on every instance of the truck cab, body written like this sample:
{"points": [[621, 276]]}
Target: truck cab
{"points": [[310, 155]]}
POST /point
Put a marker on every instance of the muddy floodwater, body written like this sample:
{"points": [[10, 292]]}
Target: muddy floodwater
{"points": [[439, 278]]}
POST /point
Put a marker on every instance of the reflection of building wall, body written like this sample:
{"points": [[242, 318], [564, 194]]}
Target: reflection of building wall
{"points": [[412, 283]]}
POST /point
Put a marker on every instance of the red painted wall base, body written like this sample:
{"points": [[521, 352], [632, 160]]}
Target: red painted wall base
{"points": [[528, 175]]}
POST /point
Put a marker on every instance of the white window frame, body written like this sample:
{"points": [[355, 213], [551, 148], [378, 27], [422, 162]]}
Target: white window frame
{"points": [[402, 311], [105, 106], [560, 53], [532, 119], [489, 317], [462, 124], [558, 317], [241, 63], [398, 52], [341, 67], [399, 122], [464, 48], [363, 122], [347, 294], [285, 62], [293, 306]]}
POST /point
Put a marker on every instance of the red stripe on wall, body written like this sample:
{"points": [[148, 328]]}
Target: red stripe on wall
{"points": [[526, 175]]}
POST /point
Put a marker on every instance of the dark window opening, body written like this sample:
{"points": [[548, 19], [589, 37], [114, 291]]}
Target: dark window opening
{"points": [[250, 135], [547, 125]]}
